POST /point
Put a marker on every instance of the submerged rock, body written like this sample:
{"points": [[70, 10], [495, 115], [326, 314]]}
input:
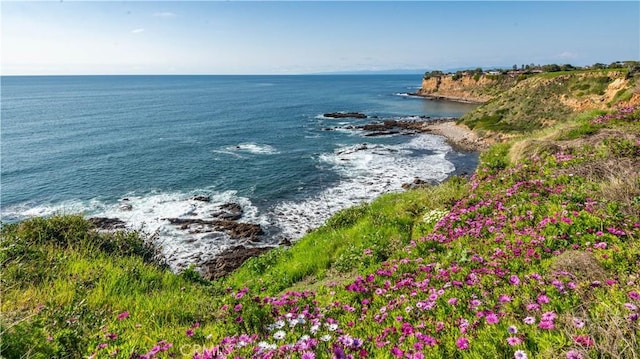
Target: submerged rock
{"points": [[229, 211], [235, 230], [201, 198], [345, 115]]}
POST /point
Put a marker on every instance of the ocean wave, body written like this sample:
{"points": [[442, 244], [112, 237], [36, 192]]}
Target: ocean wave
{"points": [[148, 213], [367, 171], [406, 94], [253, 148]]}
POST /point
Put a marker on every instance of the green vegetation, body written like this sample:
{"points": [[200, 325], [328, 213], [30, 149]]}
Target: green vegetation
{"points": [[545, 99], [534, 256], [64, 285]]}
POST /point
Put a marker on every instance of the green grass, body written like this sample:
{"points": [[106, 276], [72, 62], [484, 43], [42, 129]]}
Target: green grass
{"points": [[550, 75], [63, 283], [337, 247]]}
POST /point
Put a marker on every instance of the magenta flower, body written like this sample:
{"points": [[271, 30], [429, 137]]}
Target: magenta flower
{"points": [[543, 299], [574, 354], [396, 352], [546, 324], [190, 332], [514, 341], [308, 355], [492, 318], [123, 315], [462, 343], [583, 340], [549, 316]]}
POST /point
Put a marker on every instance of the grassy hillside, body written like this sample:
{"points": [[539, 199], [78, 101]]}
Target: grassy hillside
{"points": [[542, 100], [536, 255]]}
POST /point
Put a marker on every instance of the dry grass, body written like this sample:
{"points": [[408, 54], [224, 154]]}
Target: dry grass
{"points": [[525, 149], [579, 265], [613, 334]]}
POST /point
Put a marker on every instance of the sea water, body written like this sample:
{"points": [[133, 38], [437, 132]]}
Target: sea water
{"points": [[88, 144]]}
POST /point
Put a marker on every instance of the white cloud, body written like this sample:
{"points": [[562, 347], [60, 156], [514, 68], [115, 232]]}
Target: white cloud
{"points": [[165, 14], [137, 31], [566, 55]]}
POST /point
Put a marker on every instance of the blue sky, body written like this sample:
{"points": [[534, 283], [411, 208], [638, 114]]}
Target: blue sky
{"points": [[161, 37]]}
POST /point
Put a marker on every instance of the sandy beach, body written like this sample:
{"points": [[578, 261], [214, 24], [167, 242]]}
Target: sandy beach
{"points": [[458, 136]]}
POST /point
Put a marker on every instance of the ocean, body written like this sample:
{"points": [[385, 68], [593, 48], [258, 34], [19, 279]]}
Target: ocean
{"points": [[139, 148]]}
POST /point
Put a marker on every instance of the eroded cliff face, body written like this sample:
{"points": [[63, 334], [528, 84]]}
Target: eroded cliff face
{"points": [[468, 88], [605, 98], [543, 100]]}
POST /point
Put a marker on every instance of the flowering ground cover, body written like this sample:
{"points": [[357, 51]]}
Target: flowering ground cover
{"points": [[534, 256], [534, 261]]}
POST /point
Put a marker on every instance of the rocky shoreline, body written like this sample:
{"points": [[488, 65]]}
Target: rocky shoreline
{"points": [[458, 136], [225, 220], [449, 98]]}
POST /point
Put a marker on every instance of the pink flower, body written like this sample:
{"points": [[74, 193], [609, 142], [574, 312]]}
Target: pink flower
{"points": [[578, 323], [600, 245], [396, 352], [583, 340], [514, 341], [549, 316], [574, 354], [492, 318], [308, 355], [533, 306], [123, 315], [462, 343], [190, 332], [543, 299], [546, 324]]}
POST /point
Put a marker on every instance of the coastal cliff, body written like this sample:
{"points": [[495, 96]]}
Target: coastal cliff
{"points": [[467, 88], [578, 90], [538, 101]]}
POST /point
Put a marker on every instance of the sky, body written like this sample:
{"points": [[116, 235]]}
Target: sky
{"points": [[301, 37]]}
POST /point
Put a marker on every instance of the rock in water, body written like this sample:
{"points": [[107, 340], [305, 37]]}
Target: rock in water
{"points": [[229, 211], [201, 198], [345, 115]]}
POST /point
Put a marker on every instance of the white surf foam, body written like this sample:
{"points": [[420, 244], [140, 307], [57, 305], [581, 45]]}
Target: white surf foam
{"points": [[405, 94], [367, 172], [252, 148], [149, 214]]}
